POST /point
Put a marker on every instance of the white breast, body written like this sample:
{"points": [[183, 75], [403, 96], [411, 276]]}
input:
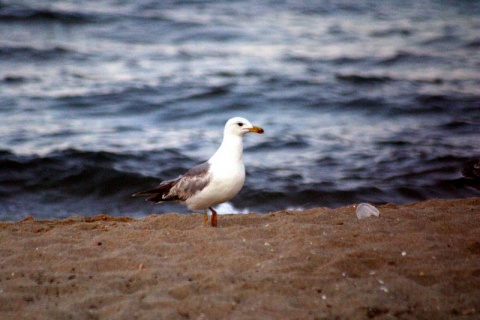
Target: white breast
{"points": [[227, 180]]}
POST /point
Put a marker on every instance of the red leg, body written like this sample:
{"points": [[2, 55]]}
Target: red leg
{"points": [[214, 217]]}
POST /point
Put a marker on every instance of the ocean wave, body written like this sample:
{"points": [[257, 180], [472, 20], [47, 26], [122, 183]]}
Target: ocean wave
{"points": [[406, 57], [289, 141], [464, 103], [389, 32], [339, 60], [23, 13], [17, 79], [32, 54], [363, 79], [425, 104], [473, 44]]}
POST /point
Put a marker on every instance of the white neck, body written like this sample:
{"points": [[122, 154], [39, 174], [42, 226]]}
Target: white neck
{"points": [[231, 147]]}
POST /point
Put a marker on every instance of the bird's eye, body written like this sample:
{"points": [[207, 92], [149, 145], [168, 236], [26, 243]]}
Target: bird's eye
{"points": [[240, 124]]}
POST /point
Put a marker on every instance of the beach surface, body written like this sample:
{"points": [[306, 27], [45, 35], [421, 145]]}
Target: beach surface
{"points": [[416, 261]]}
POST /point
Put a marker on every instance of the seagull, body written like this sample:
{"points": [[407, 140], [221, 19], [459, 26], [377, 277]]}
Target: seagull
{"points": [[213, 182]]}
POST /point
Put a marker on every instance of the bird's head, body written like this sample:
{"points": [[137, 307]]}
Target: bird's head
{"points": [[240, 126]]}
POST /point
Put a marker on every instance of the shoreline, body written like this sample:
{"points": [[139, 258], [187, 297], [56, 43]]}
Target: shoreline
{"points": [[419, 260]]}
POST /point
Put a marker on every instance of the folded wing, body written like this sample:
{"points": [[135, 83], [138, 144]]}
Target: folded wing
{"points": [[182, 188]]}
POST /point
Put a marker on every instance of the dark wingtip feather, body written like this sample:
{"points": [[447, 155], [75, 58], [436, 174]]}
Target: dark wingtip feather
{"points": [[157, 198], [141, 194], [156, 194]]}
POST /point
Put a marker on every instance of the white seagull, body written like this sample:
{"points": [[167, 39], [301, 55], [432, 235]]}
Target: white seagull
{"points": [[210, 183]]}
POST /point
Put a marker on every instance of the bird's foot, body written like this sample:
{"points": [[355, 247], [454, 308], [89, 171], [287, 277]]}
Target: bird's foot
{"points": [[214, 217]]}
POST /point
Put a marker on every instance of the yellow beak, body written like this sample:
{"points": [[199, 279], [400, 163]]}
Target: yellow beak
{"points": [[256, 129]]}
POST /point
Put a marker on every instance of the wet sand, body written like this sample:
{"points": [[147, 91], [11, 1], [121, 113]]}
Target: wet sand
{"points": [[418, 261]]}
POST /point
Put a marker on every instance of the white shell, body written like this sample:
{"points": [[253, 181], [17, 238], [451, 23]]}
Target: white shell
{"points": [[365, 210]]}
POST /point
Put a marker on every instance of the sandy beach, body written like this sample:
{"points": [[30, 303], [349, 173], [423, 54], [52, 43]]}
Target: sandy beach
{"points": [[417, 261]]}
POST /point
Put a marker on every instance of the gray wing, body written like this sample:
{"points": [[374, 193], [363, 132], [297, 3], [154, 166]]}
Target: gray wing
{"points": [[195, 180], [182, 188]]}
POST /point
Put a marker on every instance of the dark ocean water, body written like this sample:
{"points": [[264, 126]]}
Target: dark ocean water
{"points": [[361, 101]]}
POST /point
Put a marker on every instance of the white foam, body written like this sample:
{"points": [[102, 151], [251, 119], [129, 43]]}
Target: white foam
{"points": [[228, 208]]}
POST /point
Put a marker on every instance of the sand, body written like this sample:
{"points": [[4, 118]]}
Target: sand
{"points": [[418, 261]]}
